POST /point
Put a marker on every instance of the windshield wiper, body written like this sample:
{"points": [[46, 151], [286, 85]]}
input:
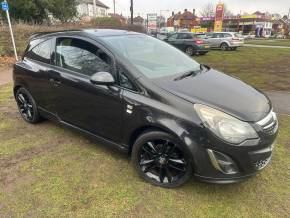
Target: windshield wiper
{"points": [[187, 74], [192, 72]]}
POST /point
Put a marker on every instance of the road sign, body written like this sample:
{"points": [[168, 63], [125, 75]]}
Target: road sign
{"points": [[5, 6]]}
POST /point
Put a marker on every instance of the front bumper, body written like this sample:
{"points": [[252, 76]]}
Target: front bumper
{"points": [[248, 158]]}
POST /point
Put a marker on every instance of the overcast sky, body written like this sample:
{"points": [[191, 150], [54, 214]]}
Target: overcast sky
{"points": [[142, 7]]}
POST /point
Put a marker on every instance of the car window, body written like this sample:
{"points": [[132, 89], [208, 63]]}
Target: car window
{"points": [[173, 37], [214, 35], [152, 57], [41, 52], [184, 36], [227, 35], [124, 80], [200, 36], [82, 57]]}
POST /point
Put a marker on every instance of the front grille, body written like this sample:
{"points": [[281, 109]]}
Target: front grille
{"points": [[259, 165], [269, 124]]}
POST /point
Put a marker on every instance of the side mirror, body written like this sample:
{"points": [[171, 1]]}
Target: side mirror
{"points": [[102, 78]]}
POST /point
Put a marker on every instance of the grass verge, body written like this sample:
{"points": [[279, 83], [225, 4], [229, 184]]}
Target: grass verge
{"points": [[48, 171], [264, 68]]}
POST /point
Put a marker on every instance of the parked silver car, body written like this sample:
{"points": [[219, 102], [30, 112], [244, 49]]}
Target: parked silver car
{"points": [[223, 40]]}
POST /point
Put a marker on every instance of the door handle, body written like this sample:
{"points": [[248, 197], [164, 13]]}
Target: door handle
{"points": [[55, 82]]}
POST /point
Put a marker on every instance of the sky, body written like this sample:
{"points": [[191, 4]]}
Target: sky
{"points": [[142, 7]]}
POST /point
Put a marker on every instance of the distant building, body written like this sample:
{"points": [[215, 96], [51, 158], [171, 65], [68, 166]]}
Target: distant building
{"points": [[138, 21], [259, 24], [119, 17], [186, 20], [85, 8]]}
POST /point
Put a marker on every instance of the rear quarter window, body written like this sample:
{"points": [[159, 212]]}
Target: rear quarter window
{"points": [[40, 52]]}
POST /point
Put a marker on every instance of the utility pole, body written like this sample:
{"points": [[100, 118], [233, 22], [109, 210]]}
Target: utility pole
{"points": [[94, 9], [132, 12], [114, 2], [289, 14]]}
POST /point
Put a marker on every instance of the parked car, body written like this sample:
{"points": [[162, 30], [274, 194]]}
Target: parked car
{"points": [[248, 36], [278, 36], [224, 40], [174, 116], [188, 43]]}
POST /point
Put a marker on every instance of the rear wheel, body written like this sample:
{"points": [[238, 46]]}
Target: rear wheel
{"points": [[189, 50], [160, 160], [224, 46], [27, 106]]}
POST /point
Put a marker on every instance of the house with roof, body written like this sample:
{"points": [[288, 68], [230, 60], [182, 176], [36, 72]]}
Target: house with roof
{"points": [[138, 21], [187, 19], [85, 8]]}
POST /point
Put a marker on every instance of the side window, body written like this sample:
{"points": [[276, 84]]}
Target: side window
{"points": [[41, 52], [215, 35], [82, 57], [227, 35], [173, 37], [184, 36], [124, 81]]}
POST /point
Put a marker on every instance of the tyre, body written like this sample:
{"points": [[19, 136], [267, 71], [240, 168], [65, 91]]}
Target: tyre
{"points": [[224, 46], [189, 50], [27, 106], [160, 160]]}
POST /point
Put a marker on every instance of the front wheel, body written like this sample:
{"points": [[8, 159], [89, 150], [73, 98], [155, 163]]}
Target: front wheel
{"points": [[160, 160]]}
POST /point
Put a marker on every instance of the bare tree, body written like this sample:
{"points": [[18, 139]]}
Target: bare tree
{"points": [[207, 10]]}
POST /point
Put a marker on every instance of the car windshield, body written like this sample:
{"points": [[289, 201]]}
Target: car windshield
{"points": [[152, 57]]}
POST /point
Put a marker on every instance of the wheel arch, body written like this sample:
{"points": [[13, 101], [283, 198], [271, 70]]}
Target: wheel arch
{"points": [[140, 131], [226, 42]]}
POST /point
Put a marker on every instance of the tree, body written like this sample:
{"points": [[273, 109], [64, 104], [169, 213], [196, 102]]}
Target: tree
{"points": [[63, 9], [37, 10], [207, 10]]}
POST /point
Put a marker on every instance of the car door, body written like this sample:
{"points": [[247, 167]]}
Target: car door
{"points": [[94, 108], [213, 39], [173, 40]]}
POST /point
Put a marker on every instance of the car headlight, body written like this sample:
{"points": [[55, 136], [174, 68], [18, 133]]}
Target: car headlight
{"points": [[225, 126]]}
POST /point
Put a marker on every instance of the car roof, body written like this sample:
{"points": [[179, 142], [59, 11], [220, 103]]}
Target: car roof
{"points": [[85, 32]]}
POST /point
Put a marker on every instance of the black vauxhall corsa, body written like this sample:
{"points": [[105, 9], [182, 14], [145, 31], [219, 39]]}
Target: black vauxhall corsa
{"points": [[175, 117]]}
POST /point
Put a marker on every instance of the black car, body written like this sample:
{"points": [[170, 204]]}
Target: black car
{"points": [[188, 43], [174, 116]]}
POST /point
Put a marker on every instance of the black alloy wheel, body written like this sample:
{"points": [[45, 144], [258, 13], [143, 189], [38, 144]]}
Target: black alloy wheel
{"points": [[27, 106], [160, 160]]}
